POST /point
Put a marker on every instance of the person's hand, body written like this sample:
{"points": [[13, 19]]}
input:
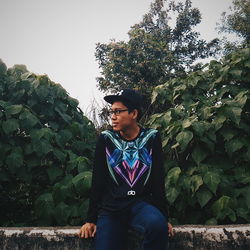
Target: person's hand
{"points": [[170, 230], [87, 230]]}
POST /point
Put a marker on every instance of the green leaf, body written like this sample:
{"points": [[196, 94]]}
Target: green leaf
{"points": [[23, 174], [173, 176], [228, 133], [220, 162], [155, 93], [194, 80], [44, 208], [200, 127], [172, 193], [243, 213], [220, 205], [62, 213], [72, 165], [231, 214], [79, 146], [199, 154], [64, 116], [46, 133], [175, 145], [3, 68], [185, 183], [221, 209], [42, 92], [218, 121], [212, 179], [10, 125], [33, 161], [28, 120], [245, 179], [61, 192], [43, 201], [154, 117], [63, 137], [204, 196], [186, 123], [196, 182], [3, 103], [167, 118], [206, 112], [212, 136], [236, 73], [209, 144], [42, 147], [165, 142], [28, 149], [73, 102], [59, 154], [183, 138], [82, 182], [53, 173], [233, 113], [15, 159], [4, 150], [241, 98], [234, 145], [13, 110], [83, 163]]}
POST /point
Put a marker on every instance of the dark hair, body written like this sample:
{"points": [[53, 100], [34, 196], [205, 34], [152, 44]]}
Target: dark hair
{"points": [[132, 107]]}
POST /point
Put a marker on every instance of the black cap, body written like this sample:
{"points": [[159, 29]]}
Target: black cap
{"points": [[128, 96]]}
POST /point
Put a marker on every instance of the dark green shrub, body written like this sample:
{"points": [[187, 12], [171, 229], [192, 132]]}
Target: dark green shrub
{"points": [[46, 144], [206, 138]]}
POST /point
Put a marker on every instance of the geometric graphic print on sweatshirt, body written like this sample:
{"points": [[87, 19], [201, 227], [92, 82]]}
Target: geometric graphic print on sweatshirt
{"points": [[129, 160]]}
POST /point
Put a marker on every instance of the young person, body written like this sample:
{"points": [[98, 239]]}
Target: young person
{"points": [[128, 181]]}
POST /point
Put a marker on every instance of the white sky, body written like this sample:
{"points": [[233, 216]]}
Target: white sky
{"points": [[58, 37]]}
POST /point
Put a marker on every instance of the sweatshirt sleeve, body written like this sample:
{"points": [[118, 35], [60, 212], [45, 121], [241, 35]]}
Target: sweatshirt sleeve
{"points": [[98, 180], [158, 177]]}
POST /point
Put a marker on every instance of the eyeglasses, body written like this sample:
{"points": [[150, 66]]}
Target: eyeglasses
{"points": [[116, 112]]}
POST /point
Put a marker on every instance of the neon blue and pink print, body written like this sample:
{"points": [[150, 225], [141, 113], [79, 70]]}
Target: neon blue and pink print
{"points": [[130, 159]]}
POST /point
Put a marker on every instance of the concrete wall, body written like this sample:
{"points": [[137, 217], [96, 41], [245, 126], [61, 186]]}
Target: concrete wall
{"points": [[186, 237]]}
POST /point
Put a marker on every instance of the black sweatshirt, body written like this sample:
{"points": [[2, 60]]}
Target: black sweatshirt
{"points": [[126, 171]]}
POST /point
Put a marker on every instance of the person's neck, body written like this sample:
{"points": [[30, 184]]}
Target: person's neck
{"points": [[131, 132]]}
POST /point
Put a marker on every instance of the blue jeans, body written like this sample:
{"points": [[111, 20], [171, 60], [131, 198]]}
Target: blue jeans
{"points": [[111, 231]]}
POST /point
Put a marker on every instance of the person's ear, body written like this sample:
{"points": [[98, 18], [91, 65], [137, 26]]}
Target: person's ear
{"points": [[135, 114]]}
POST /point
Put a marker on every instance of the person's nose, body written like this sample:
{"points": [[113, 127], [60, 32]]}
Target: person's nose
{"points": [[113, 117]]}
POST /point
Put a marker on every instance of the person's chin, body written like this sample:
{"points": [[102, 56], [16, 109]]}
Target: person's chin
{"points": [[116, 127]]}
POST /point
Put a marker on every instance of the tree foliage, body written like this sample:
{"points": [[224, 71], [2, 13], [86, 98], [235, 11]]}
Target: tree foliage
{"points": [[155, 51], [46, 144], [206, 140], [237, 22]]}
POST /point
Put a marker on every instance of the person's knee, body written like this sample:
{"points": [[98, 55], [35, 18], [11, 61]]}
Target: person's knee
{"points": [[157, 224]]}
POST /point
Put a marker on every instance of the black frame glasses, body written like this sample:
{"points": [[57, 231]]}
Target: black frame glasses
{"points": [[116, 112]]}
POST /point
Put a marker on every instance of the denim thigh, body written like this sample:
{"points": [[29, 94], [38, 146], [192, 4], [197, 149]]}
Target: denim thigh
{"points": [[111, 232]]}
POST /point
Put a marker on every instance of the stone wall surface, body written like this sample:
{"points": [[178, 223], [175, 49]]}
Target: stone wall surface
{"points": [[186, 237]]}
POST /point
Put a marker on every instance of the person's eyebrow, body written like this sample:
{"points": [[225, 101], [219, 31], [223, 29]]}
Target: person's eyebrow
{"points": [[116, 109]]}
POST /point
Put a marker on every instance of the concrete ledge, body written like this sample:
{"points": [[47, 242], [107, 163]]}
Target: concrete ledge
{"points": [[195, 237], [226, 237]]}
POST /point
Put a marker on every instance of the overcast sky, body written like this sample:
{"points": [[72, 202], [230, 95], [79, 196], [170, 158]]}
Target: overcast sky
{"points": [[58, 37]]}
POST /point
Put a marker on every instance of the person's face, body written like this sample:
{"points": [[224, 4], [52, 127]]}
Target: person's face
{"points": [[122, 120]]}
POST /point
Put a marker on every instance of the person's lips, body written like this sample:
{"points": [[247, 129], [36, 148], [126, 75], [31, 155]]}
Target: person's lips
{"points": [[114, 124]]}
